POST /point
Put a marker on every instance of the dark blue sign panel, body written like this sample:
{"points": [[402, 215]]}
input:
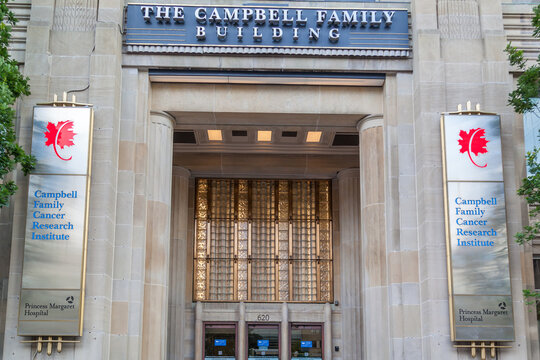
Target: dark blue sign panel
{"points": [[220, 342], [306, 344], [259, 26], [262, 343]]}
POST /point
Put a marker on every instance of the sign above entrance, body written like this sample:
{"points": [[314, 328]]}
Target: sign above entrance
{"points": [[267, 30]]}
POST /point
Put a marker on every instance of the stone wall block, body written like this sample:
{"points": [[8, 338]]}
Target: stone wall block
{"points": [[491, 9], [122, 267], [42, 11], [101, 64], [460, 93], [141, 153], [376, 345], [37, 64], [431, 97], [104, 173], [126, 156], [463, 72], [139, 211], [371, 149], [428, 45], [467, 50], [100, 256], [408, 239], [495, 71], [155, 251], [493, 92], [100, 203], [103, 89], [433, 262], [434, 229], [375, 256], [105, 121], [119, 322], [70, 65], [435, 288], [97, 314], [76, 43], [425, 14], [99, 283], [100, 228], [37, 38], [108, 40]]}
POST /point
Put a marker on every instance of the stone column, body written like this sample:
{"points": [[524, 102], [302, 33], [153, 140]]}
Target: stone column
{"points": [[178, 276], [350, 263], [376, 334], [284, 331], [327, 331], [198, 330], [158, 235], [241, 333]]}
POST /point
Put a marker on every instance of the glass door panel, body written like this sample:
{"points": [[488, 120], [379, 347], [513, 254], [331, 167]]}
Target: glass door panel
{"points": [[219, 341], [306, 341], [263, 341]]}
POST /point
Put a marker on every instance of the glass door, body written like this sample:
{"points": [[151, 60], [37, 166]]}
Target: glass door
{"points": [[306, 341], [263, 341], [219, 341]]}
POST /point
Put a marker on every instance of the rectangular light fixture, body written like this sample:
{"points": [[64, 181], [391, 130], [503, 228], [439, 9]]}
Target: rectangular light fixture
{"points": [[214, 135], [313, 136], [264, 135]]}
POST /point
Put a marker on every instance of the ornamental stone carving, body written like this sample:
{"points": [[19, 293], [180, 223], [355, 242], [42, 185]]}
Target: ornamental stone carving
{"points": [[75, 15], [458, 19]]}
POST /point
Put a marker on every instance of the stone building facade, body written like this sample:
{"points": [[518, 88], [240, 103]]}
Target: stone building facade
{"points": [[379, 151]]}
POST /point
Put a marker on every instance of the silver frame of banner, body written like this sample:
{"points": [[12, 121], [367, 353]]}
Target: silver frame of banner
{"points": [[481, 346], [49, 341]]}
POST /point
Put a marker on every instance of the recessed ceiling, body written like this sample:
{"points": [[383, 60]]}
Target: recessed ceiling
{"points": [[268, 133], [299, 166]]}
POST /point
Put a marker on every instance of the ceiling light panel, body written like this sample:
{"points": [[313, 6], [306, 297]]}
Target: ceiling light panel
{"points": [[214, 135], [313, 136], [264, 135]]}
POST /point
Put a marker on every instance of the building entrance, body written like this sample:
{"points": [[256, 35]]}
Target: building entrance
{"points": [[306, 341], [223, 341], [220, 341], [263, 341], [255, 195]]}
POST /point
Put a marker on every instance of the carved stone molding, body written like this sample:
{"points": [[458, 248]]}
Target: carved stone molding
{"points": [[458, 19], [75, 15]]}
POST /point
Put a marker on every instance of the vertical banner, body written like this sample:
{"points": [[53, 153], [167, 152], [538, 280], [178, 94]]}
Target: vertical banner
{"points": [[476, 237], [52, 291]]}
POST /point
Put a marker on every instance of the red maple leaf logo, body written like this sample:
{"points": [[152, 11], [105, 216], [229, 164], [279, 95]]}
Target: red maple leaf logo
{"points": [[474, 142], [61, 135]]}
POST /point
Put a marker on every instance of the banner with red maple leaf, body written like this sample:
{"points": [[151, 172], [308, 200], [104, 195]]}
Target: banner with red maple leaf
{"points": [[476, 234], [473, 141], [56, 231], [472, 148], [61, 140], [60, 135]]}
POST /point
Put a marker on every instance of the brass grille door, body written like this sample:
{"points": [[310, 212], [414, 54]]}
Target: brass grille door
{"points": [[263, 240]]}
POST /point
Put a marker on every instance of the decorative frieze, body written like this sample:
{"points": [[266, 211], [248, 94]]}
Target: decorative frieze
{"points": [[458, 19]]}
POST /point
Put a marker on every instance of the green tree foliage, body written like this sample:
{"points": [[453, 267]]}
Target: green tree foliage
{"points": [[524, 99], [12, 85], [530, 189]]}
